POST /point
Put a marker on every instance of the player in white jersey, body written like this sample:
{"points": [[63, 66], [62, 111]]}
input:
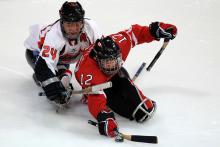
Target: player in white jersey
{"points": [[51, 49]]}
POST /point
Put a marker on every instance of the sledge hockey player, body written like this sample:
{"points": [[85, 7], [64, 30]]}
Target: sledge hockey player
{"points": [[51, 49], [103, 61]]}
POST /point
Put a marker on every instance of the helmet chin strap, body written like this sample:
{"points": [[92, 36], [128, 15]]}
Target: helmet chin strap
{"points": [[72, 37], [68, 37]]}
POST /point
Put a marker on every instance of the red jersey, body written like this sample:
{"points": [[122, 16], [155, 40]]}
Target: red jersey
{"points": [[87, 71]]}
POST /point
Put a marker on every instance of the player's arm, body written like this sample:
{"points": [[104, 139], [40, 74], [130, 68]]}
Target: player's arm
{"points": [[96, 102], [156, 30], [94, 31], [46, 74], [107, 124]]}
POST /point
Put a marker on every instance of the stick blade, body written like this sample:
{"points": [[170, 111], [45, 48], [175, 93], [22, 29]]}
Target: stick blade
{"points": [[146, 139]]}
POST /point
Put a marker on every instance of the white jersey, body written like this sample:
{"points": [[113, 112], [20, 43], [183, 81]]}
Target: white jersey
{"points": [[54, 48]]}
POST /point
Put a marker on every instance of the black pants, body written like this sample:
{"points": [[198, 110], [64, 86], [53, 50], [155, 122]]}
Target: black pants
{"points": [[123, 98], [31, 57]]}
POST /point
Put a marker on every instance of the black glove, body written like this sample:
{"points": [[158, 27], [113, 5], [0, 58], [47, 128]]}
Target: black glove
{"points": [[56, 92], [162, 30], [107, 124]]}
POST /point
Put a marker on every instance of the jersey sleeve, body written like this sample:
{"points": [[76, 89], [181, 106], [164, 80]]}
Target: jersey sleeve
{"points": [[131, 37], [33, 37], [97, 103], [139, 34], [51, 48]]}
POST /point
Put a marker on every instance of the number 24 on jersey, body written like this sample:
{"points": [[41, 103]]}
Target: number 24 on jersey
{"points": [[49, 51]]}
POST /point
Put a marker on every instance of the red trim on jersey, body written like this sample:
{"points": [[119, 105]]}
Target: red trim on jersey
{"points": [[88, 73], [41, 42]]}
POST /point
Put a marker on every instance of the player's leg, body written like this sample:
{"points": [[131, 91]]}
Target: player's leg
{"points": [[123, 73], [31, 57], [127, 100]]}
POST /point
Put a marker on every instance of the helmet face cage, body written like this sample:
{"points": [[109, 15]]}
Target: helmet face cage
{"points": [[71, 36], [108, 55], [71, 12], [117, 63]]}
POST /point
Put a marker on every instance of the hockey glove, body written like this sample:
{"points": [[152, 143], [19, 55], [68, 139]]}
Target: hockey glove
{"points": [[162, 30], [55, 91], [107, 124]]}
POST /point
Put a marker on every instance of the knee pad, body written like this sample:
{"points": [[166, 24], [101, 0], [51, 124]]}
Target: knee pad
{"points": [[142, 113]]}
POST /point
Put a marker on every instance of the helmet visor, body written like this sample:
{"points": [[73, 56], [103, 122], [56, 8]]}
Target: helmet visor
{"points": [[111, 66]]}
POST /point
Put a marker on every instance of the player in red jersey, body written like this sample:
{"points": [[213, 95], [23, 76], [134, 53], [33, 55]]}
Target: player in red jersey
{"points": [[103, 61]]}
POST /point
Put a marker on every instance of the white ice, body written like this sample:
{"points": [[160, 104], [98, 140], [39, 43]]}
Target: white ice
{"points": [[184, 82]]}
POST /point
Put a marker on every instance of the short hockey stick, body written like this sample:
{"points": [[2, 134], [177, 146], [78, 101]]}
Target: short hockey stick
{"points": [[89, 90], [139, 71], [136, 138], [165, 43]]}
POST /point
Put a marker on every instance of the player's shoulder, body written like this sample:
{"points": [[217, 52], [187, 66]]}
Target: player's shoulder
{"points": [[92, 30], [87, 64], [54, 37], [121, 37], [91, 72], [89, 22], [90, 25], [55, 30]]}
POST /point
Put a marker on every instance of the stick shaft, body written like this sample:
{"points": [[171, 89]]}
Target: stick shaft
{"points": [[139, 71], [93, 89], [136, 138], [165, 43]]}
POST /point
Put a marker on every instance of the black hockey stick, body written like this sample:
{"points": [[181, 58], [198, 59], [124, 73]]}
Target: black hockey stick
{"points": [[138, 71], [137, 138], [165, 43]]}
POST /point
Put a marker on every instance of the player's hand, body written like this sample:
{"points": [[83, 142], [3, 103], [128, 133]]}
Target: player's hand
{"points": [[66, 77], [56, 92], [107, 124], [161, 30]]}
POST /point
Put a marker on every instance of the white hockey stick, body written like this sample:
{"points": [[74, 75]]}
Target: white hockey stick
{"points": [[89, 90], [93, 89]]}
